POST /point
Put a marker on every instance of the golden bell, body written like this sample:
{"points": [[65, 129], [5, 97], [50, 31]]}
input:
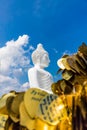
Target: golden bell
{"points": [[41, 125], [3, 119], [65, 125]]}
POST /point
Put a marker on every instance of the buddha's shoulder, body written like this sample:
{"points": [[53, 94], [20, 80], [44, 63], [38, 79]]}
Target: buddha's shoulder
{"points": [[33, 69]]}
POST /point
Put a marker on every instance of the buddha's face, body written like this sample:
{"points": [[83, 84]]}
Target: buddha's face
{"points": [[44, 60]]}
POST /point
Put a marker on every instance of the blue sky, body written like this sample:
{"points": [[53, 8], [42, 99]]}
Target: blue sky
{"points": [[61, 26]]}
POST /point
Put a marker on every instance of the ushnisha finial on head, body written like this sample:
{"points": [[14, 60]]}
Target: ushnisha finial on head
{"points": [[38, 77], [40, 47]]}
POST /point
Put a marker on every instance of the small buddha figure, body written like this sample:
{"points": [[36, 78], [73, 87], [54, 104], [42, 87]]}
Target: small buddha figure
{"points": [[37, 75]]}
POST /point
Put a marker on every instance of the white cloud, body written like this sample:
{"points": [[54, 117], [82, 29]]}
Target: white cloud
{"points": [[25, 85], [14, 63], [37, 7], [43, 6], [31, 48], [7, 79], [67, 52], [12, 55], [55, 50], [18, 72], [7, 84]]}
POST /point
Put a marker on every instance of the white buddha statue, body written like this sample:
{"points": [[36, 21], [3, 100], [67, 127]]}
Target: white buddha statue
{"points": [[38, 77]]}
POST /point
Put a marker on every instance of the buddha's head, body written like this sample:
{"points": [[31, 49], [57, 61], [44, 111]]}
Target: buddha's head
{"points": [[40, 56]]}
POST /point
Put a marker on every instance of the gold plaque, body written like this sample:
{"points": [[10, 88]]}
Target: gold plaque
{"points": [[32, 99], [51, 109]]}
